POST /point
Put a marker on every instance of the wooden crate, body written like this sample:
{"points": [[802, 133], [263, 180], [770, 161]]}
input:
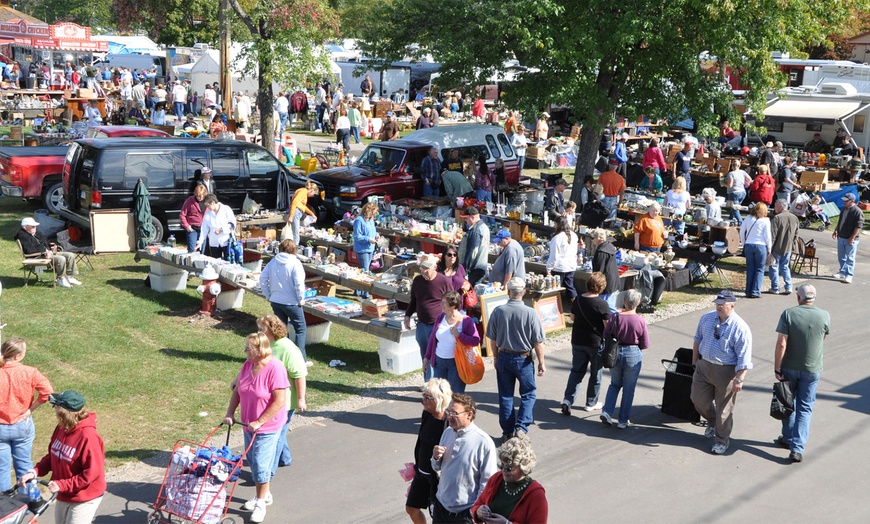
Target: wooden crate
{"points": [[819, 177]]}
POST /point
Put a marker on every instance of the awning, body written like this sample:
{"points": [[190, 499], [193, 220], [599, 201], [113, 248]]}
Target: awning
{"points": [[824, 112]]}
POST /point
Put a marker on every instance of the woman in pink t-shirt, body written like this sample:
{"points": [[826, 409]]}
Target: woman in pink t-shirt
{"points": [[260, 390], [653, 157]]}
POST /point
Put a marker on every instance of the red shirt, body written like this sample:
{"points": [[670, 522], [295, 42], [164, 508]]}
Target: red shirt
{"points": [[76, 461], [17, 385], [653, 157]]}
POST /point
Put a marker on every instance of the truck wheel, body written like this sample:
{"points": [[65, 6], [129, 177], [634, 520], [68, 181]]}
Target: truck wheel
{"points": [[53, 197], [159, 230]]}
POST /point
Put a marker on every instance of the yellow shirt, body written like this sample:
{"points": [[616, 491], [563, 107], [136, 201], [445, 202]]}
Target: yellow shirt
{"points": [[300, 201]]}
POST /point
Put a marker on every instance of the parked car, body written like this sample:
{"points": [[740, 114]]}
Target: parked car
{"points": [[393, 168], [102, 173], [34, 173]]}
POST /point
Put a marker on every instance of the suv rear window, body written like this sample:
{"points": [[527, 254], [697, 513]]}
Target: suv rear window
{"points": [[505, 146], [155, 169], [490, 141]]}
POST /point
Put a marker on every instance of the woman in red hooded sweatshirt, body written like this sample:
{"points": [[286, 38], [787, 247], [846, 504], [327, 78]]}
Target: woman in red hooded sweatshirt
{"points": [[75, 459]]}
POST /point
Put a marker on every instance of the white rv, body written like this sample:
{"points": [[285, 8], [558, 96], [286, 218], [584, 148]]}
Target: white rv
{"points": [[799, 112]]}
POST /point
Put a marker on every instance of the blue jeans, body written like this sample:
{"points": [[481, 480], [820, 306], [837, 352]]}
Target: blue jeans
{"points": [[192, 237], [297, 223], [179, 110], [846, 255], [446, 368], [262, 455], [610, 203], [796, 428], [582, 357], [755, 256], [343, 136], [365, 262], [679, 226], [736, 199], [293, 316], [16, 444], [424, 331], [319, 111], [522, 160], [510, 369], [623, 376], [431, 190], [282, 117], [282, 449], [354, 131], [780, 267]]}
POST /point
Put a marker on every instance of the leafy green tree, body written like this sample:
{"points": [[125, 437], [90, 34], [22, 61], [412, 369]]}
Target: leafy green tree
{"points": [[287, 39], [97, 15], [606, 58], [170, 22]]}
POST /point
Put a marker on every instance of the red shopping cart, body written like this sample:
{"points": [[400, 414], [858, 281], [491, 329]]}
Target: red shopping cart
{"points": [[14, 510], [199, 482]]}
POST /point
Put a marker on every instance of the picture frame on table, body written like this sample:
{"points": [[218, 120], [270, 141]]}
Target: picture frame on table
{"points": [[488, 303], [549, 310]]}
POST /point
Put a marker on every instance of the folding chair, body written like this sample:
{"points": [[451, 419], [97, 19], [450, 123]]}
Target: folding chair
{"points": [[35, 265], [83, 254], [801, 258]]}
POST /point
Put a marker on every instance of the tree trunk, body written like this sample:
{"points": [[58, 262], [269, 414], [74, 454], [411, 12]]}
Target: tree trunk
{"points": [[264, 93], [587, 153]]}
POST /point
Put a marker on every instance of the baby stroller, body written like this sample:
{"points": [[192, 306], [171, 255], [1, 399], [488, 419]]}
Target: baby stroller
{"points": [[811, 216], [13, 510]]}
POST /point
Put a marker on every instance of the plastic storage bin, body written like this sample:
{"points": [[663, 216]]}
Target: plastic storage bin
{"points": [[170, 282], [402, 357], [230, 299]]}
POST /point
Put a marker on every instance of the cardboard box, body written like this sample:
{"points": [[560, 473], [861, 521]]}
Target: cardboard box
{"points": [[323, 250], [831, 186], [16, 133], [376, 308], [87, 93], [814, 177], [575, 131], [538, 153], [271, 234], [340, 255]]}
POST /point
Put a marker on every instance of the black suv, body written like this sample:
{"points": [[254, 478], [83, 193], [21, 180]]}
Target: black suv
{"points": [[101, 174]]}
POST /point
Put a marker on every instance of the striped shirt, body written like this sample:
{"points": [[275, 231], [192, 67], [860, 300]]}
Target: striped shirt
{"points": [[732, 347], [17, 384]]}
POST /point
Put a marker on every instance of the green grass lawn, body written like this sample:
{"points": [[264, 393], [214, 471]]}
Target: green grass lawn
{"points": [[143, 362]]}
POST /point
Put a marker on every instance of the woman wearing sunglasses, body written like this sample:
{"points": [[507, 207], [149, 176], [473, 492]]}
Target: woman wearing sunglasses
{"points": [[511, 495], [450, 267]]}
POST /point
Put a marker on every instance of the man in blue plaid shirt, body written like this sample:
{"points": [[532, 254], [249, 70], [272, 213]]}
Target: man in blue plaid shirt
{"points": [[431, 174], [722, 354]]}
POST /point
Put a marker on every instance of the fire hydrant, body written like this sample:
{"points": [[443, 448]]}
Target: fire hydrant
{"points": [[210, 289]]}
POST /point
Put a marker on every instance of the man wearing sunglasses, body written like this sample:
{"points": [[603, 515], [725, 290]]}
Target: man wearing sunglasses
{"points": [[721, 354], [465, 458]]}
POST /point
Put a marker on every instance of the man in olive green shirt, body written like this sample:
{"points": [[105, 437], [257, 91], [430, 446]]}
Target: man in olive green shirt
{"points": [[798, 360]]}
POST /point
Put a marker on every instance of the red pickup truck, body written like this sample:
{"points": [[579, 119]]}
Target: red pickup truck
{"points": [[34, 173]]}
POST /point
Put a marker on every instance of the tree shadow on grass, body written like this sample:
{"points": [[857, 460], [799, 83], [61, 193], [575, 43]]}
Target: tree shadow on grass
{"points": [[207, 356]]}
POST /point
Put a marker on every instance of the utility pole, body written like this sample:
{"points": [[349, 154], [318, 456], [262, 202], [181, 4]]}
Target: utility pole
{"points": [[225, 75]]}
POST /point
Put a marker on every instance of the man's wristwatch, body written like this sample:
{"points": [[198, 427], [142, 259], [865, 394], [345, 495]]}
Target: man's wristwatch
{"points": [[738, 380]]}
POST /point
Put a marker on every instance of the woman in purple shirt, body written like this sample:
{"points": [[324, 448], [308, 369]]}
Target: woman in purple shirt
{"points": [[450, 267], [630, 329]]}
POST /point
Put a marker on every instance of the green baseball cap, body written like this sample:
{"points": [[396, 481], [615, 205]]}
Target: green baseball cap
{"points": [[69, 400]]}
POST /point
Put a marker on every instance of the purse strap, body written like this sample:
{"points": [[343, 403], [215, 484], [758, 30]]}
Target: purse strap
{"points": [[587, 320]]}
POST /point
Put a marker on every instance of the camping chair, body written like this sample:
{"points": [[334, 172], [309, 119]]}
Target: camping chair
{"points": [[35, 265], [83, 254], [802, 257]]}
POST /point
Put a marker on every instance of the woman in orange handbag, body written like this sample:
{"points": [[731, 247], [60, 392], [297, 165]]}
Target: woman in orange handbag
{"points": [[450, 326]]}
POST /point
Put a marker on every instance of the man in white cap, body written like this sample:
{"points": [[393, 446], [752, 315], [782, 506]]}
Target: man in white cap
{"points": [[207, 180], [848, 228], [34, 243], [621, 154], [390, 129], [427, 288], [801, 334]]}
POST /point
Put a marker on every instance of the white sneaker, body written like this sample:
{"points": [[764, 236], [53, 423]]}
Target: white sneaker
{"points": [[249, 505], [259, 513], [74, 281], [710, 432], [63, 282], [719, 449], [838, 276], [847, 280], [623, 425], [596, 407], [606, 418]]}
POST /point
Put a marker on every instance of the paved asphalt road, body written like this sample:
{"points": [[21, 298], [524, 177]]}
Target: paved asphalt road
{"points": [[659, 470]]}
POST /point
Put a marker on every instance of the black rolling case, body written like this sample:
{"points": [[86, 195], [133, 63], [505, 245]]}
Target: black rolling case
{"points": [[676, 400]]}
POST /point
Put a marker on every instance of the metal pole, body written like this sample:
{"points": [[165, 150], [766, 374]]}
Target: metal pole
{"points": [[225, 76]]}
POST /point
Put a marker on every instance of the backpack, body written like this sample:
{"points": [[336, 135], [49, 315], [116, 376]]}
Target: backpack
{"points": [[91, 71], [594, 214]]}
